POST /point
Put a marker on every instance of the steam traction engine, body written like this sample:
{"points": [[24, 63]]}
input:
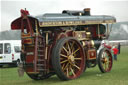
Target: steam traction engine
{"points": [[63, 44]]}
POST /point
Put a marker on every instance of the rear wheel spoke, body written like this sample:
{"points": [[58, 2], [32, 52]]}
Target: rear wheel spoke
{"points": [[72, 46], [69, 48], [66, 66], [63, 66], [65, 49], [64, 61], [76, 51], [72, 71], [63, 55], [78, 58], [67, 72], [77, 67]]}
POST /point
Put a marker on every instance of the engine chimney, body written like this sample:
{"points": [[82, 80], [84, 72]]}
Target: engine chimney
{"points": [[87, 11]]}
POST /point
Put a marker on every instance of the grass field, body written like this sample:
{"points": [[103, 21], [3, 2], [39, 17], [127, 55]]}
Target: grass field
{"points": [[92, 76]]}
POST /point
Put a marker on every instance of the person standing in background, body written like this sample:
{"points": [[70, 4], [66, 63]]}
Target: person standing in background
{"points": [[115, 52], [118, 48]]}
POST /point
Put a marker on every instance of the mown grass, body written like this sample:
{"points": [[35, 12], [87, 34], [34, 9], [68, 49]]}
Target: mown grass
{"points": [[92, 76]]}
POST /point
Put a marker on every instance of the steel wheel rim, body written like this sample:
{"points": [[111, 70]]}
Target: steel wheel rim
{"points": [[106, 61], [72, 59]]}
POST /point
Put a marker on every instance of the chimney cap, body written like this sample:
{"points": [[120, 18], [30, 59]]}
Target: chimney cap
{"points": [[87, 9]]}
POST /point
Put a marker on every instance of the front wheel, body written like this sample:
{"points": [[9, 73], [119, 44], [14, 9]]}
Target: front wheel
{"points": [[105, 60], [68, 59]]}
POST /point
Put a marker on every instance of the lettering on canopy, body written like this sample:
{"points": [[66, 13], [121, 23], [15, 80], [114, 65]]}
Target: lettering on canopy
{"points": [[69, 23]]}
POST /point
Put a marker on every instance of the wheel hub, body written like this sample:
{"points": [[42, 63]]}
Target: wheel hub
{"points": [[105, 60], [71, 59]]}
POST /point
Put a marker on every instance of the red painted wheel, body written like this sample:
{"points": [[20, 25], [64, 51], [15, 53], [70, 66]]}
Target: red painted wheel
{"points": [[105, 60], [68, 59]]}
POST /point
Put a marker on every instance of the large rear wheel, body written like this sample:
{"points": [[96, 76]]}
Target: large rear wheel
{"points": [[68, 59], [105, 60]]}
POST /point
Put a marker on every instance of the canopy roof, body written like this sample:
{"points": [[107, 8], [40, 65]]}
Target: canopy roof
{"points": [[48, 20], [53, 20]]}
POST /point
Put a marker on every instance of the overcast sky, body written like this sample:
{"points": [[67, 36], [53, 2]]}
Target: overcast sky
{"points": [[10, 10]]}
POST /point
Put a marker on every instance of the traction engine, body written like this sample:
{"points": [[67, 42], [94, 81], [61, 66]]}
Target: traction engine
{"points": [[64, 43]]}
